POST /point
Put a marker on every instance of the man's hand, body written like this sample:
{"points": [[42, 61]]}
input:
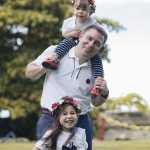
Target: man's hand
{"points": [[53, 57], [100, 83]]}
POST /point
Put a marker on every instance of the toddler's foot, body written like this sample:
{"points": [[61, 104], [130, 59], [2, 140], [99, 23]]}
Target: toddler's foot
{"points": [[95, 91], [50, 64]]}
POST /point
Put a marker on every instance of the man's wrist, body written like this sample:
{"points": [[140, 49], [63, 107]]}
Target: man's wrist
{"points": [[106, 95]]}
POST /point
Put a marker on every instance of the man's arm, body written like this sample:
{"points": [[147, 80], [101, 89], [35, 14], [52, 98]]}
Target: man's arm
{"points": [[33, 71], [98, 100]]}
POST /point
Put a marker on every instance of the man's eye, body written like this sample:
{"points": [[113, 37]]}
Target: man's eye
{"points": [[97, 44]]}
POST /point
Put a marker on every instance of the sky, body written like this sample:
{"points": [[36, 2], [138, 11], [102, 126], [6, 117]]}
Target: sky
{"points": [[129, 69]]}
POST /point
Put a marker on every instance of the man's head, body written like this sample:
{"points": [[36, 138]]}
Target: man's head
{"points": [[98, 29], [90, 43]]}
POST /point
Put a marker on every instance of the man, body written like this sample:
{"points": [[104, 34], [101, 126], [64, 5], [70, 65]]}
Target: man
{"points": [[73, 78]]}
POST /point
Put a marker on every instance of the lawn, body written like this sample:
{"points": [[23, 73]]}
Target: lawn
{"points": [[104, 145]]}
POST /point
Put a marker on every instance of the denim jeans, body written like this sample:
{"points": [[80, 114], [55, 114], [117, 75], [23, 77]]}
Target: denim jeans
{"points": [[84, 121]]}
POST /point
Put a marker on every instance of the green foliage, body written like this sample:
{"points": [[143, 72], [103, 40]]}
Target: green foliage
{"points": [[94, 115], [27, 27], [111, 25], [130, 100]]}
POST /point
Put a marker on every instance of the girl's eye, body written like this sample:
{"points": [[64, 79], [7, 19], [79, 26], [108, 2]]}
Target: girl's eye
{"points": [[64, 114], [73, 113]]}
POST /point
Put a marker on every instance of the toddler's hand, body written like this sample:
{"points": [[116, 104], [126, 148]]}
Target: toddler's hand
{"points": [[75, 33]]}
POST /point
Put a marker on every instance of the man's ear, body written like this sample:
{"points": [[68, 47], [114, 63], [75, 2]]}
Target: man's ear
{"points": [[80, 35], [102, 50]]}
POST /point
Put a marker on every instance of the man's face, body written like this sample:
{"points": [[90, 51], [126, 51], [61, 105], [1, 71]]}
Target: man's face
{"points": [[90, 43]]}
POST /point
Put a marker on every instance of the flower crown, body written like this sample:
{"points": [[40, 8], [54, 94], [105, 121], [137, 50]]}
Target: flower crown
{"points": [[55, 106], [92, 2]]}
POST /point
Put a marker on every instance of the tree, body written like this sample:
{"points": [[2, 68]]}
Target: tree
{"points": [[129, 100], [27, 27]]}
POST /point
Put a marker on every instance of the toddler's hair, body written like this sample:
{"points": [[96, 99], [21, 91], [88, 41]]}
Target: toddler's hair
{"points": [[84, 3]]}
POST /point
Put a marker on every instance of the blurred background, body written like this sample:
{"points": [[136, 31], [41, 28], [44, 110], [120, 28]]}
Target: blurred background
{"points": [[28, 27]]}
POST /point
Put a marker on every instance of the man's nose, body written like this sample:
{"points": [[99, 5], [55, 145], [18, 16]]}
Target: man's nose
{"points": [[91, 43]]}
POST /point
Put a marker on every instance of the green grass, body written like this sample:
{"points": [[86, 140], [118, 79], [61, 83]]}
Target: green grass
{"points": [[122, 145], [103, 145]]}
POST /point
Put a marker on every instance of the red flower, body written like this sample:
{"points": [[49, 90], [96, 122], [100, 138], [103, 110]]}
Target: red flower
{"points": [[92, 1], [75, 103], [54, 106]]}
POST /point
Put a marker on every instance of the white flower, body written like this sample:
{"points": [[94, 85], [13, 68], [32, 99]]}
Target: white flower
{"points": [[61, 101]]}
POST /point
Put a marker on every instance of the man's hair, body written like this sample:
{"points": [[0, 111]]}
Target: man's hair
{"points": [[98, 29]]}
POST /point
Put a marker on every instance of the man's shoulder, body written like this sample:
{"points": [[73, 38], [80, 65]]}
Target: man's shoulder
{"points": [[51, 48]]}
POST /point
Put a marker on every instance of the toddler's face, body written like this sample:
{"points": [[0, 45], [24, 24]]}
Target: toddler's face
{"points": [[82, 13]]}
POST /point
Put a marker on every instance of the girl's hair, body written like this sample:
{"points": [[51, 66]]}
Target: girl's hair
{"points": [[57, 127], [85, 3]]}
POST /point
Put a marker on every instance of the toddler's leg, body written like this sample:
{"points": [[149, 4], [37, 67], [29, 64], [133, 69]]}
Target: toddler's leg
{"points": [[60, 50], [97, 69]]}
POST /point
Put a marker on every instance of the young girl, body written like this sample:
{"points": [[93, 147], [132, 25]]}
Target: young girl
{"points": [[63, 135], [71, 29]]}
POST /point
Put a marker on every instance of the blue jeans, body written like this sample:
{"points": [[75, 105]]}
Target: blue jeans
{"points": [[84, 121]]}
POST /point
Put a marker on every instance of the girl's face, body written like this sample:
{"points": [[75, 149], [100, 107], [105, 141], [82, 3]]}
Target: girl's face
{"points": [[81, 13], [68, 118]]}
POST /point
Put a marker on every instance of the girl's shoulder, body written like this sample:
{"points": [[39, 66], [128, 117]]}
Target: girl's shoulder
{"points": [[47, 133], [92, 20], [70, 19], [80, 130]]}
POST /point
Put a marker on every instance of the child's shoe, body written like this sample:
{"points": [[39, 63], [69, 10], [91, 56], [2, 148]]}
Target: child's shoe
{"points": [[95, 91], [50, 64]]}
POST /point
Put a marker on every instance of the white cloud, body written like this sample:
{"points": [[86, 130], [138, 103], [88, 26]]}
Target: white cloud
{"points": [[4, 114]]}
